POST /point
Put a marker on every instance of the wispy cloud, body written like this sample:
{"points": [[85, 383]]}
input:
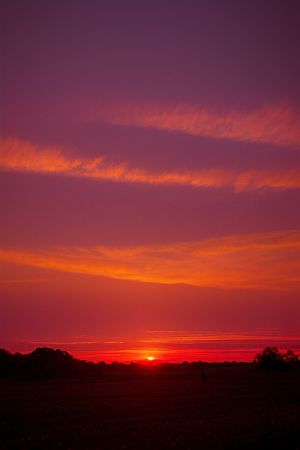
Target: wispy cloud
{"points": [[274, 124], [17, 155], [195, 337], [263, 260], [278, 179]]}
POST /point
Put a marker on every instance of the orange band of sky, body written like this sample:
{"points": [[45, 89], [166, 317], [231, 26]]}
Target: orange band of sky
{"points": [[263, 260]]}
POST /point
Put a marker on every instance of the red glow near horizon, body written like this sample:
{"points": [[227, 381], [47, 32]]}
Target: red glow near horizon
{"points": [[154, 347], [179, 357]]}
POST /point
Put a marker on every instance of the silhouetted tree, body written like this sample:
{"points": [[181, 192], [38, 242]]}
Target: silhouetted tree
{"points": [[291, 359], [10, 364], [5, 362], [48, 354], [272, 359], [44, 362]]}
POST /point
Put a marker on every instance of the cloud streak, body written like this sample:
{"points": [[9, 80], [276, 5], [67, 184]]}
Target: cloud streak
{"points": [[263, 261], [273, 124], [17, 155]]}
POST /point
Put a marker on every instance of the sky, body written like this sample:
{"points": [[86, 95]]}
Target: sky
{"points": [[150, 178]]}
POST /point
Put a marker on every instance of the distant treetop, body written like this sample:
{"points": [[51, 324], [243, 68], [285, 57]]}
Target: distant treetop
{"points": [[271, 359]]}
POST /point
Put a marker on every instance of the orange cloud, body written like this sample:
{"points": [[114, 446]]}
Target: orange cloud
{"points": [[277, 179], [16, 154], [274, 124], [23, 156], [264, 261]]}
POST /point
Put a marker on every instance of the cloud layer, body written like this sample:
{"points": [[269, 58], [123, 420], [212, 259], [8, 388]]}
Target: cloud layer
{"points": [[263, 260], [273, 124], [18, 155]]}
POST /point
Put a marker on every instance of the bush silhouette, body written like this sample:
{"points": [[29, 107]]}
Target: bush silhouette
{"points": [[272, 359], [41, 363], [44, 362], [291, 360]]}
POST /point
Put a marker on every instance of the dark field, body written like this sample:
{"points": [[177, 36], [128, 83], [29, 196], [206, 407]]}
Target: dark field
{"points": [[239, 407]]}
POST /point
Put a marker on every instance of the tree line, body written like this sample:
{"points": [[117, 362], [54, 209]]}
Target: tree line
{"points": [[46, 362]]}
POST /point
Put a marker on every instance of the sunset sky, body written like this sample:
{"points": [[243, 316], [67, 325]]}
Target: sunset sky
{"points": [[150, 178]]}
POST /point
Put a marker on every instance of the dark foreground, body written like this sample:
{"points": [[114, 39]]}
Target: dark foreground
{"points": [[238, 408]]}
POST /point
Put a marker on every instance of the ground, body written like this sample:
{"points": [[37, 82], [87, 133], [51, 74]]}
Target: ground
{"points": [[240, 407]]}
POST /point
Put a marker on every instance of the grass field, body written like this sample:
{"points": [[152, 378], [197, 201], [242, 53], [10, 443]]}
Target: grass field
{"points": [[239, 407]]}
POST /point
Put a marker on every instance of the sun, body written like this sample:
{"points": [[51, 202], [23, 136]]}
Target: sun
{"points": [[150, 358]]}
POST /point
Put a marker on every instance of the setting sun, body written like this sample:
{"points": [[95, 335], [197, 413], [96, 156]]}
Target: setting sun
{"points": [[150, 358]]}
